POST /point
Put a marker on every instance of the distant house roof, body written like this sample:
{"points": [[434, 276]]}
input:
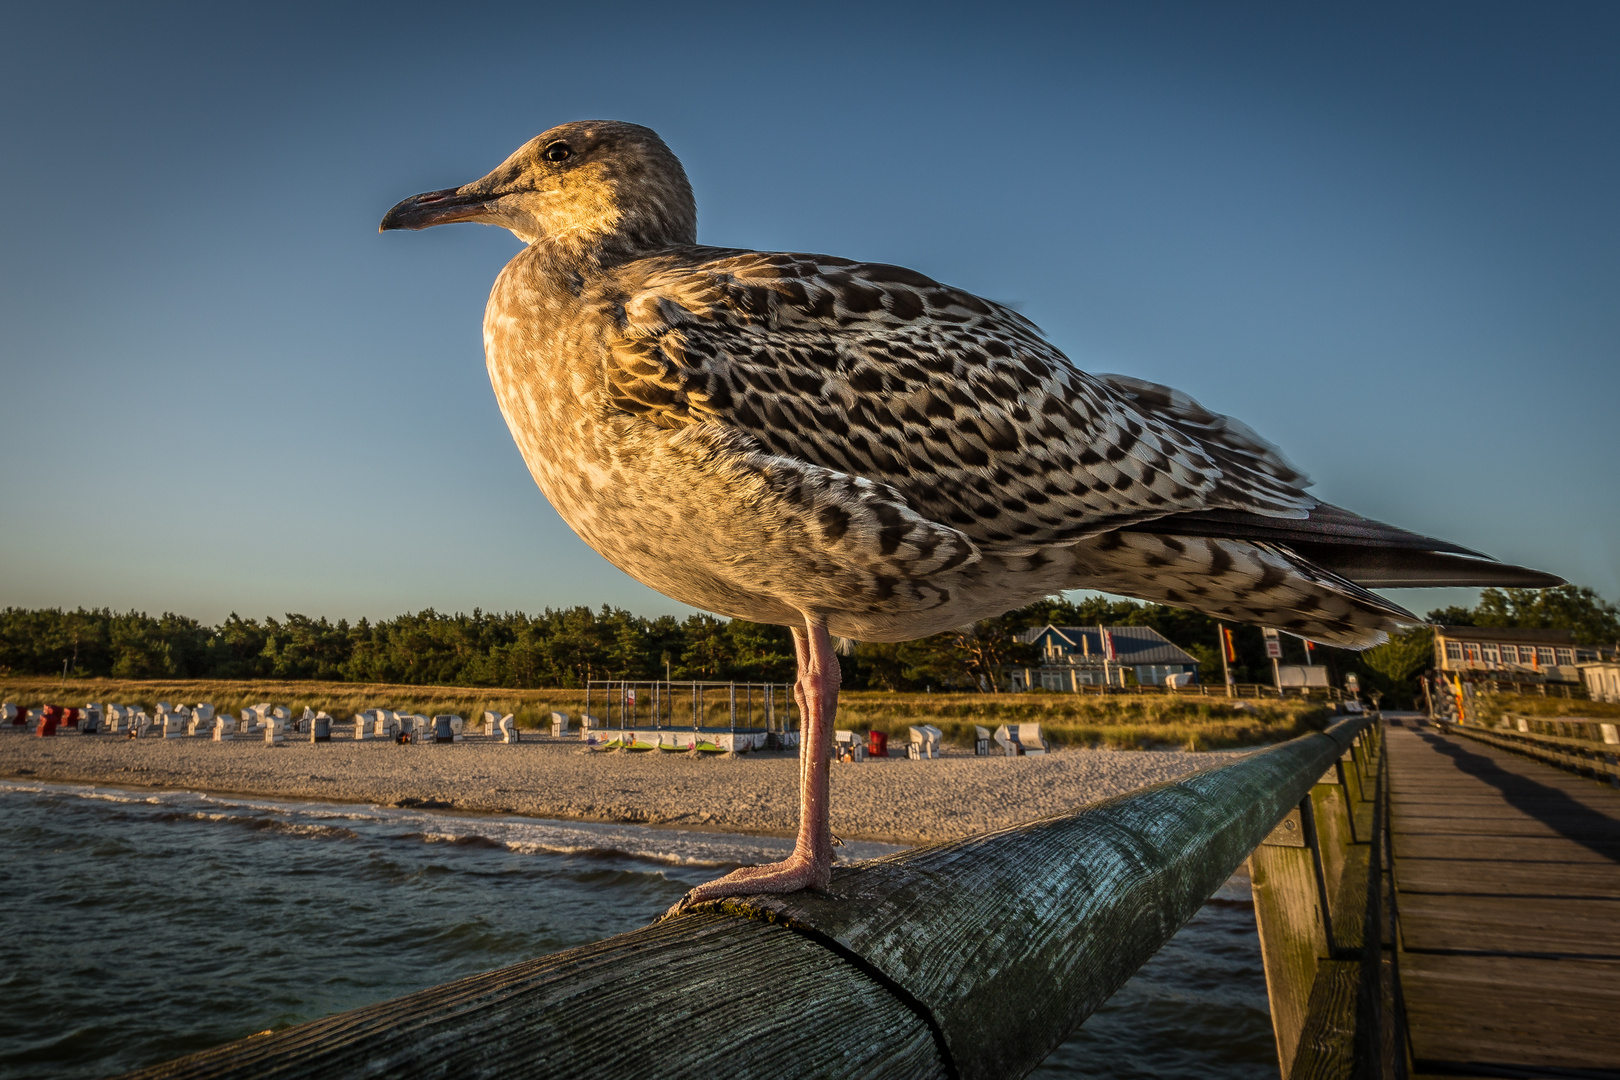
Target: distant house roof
{"points": [[1507, 633], [1132, 644]]}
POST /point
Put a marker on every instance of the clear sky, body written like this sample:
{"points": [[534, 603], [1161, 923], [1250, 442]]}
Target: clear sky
{"points": [[1387, 236]]}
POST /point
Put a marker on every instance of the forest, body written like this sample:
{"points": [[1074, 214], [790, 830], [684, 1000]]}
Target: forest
{"points": [[566, 647]]}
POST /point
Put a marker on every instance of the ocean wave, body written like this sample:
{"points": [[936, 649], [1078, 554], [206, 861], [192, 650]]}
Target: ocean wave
{"points": [[524, 837]]}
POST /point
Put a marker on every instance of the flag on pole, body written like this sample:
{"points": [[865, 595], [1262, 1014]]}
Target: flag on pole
{"points": [[1231, 650], [1108, 644]]}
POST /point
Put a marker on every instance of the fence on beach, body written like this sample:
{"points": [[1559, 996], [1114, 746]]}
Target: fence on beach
{"points": [[973, 958], [630, 703]]}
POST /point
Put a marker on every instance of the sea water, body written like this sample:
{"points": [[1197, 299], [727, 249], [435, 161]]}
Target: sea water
{"points": [[139, 926]]}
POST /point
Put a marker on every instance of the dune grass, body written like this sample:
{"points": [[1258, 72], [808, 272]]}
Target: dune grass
{"points": [[1144, 721]]}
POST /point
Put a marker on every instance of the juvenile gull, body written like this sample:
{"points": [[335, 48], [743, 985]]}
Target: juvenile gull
{"points": [[856, 449]]}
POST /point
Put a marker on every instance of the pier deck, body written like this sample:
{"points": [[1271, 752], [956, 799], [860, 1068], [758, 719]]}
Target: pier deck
{"points": [[1507, 878]]}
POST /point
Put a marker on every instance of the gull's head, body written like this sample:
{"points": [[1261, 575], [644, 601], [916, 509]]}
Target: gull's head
{"points": [[582, 183]]}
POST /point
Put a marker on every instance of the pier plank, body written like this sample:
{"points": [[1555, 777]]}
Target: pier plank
{"points": [[1507, 875]]}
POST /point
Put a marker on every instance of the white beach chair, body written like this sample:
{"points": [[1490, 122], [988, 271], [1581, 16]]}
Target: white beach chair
{"points": [[925, 742], [1007, 739], [8, 712], [588, 724], [458, 725], [559, 724], [509, 730], [140, 724], [1029, 737], [202, 717], [173, 724], [981, 741], [362, 724], [492, 721], [273, 735], [444, 726], [223, 726], [164, 707], [91, 724]]}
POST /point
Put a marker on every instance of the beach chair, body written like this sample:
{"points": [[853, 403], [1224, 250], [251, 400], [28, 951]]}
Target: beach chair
{"points": [[588, 724], [163, 707], [1007, 739], [385, 723], [9, 713], [848, 746], [559, 724], [446, 728], [140, 725], [202, 717], [91, 724], [362, 724], [273, 735], [1029, 738], [509, 729], [981, 741], [924, 742], [223, 726], [492, 722], [320, 727], [173, 724]]}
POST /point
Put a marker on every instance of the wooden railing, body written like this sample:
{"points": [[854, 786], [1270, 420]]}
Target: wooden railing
{"points": [[1581, 745], [970, 959]]}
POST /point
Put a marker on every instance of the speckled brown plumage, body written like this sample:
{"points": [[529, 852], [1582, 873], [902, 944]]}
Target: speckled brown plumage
{"points": [[857, 448]]}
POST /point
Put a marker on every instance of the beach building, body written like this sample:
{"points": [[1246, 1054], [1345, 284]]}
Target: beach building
{"points": [[1510, 654], [1076, 656]]}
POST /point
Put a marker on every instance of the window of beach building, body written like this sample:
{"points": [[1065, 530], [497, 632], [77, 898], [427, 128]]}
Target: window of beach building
{"points": [[1453, 650], [1510, 654], [1566, 656], [1546, 654], [1490, 654]]}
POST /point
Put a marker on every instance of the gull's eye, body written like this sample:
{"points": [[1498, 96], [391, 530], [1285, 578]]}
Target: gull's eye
{"points": [[557, 151]]}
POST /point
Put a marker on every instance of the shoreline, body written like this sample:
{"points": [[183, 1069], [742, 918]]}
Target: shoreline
{"points": [[892, 801]]}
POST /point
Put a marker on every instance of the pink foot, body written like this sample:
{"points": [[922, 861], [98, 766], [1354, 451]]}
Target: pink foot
{"points": [[790, 875]]}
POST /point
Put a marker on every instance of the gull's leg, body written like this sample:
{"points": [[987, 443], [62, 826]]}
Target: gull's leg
{"points": [[810, 865]]}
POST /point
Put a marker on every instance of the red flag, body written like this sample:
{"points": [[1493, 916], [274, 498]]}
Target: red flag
{"points": [[1231, 650]]}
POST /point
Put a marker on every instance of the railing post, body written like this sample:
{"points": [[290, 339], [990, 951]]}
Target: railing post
{"points": [[1313, 881]]}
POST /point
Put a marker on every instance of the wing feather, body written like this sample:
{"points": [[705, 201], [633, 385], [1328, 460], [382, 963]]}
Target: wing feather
{"points": [[958, 404]]}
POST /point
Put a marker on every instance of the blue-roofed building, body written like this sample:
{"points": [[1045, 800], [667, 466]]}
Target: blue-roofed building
{"points": [[1073, 656]]}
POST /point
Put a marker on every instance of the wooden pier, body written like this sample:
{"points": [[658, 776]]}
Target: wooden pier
{"points": [[1507, 892]]}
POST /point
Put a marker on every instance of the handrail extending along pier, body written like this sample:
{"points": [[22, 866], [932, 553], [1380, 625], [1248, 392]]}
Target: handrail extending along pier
{"points": [[973, 958]]}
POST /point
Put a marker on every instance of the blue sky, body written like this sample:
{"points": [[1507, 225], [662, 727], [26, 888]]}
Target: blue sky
{"points": [[1384, 235]]}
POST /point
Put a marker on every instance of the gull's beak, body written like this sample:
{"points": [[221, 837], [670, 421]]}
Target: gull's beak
{"points": [[437, 208]]}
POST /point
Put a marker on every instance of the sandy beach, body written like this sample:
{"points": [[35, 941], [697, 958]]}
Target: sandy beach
{"points": [[895, 800]]}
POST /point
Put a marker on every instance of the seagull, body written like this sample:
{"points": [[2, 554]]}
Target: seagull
{"points": [[854, 449]]}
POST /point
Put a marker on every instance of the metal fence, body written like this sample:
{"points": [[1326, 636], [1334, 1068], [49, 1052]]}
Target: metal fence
{"points": [[630, 703]]}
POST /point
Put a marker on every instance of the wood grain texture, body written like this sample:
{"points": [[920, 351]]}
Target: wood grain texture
{"points": [[696, 996], [1293, 938], [1012, 938], [1326, 1045]]}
